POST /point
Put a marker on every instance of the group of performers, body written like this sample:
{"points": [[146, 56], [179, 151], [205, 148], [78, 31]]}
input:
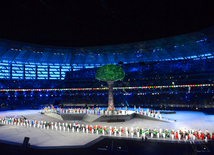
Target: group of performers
{"points": [[98, 111], [71, 110], [133, 132], [89, 110]]}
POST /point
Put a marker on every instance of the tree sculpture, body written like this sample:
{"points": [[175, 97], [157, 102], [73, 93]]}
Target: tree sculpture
{"points": [[110, 73]]}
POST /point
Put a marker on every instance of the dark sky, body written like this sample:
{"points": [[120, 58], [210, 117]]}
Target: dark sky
{"points": [[100, 22]]}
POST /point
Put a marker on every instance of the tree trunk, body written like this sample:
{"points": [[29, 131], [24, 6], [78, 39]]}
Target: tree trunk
{"points": [[110, 95]]}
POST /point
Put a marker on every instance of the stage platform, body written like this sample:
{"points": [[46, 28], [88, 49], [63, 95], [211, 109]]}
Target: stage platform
{"points": [[43, 138], [103, 118]]}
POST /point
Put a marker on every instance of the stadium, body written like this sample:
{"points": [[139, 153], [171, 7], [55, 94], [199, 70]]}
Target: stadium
{"points": [[51, 98]]}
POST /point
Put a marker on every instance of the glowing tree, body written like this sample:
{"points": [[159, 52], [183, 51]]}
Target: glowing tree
{"points": [[110, 73]]}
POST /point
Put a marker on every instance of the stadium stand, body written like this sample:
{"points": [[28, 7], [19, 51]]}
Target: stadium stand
{"points": [[180, 60]]}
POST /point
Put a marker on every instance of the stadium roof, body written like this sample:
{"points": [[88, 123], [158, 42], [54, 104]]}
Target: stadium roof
{"points": [[82, 23], [187, 46]]}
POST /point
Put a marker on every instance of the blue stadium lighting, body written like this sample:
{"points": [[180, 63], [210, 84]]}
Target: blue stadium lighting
{"points": [[46, 95], [31, 95], [40, 95], [8, 95], [25, 95], [15, 96]]}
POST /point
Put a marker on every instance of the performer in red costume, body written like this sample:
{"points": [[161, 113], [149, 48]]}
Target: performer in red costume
{"points": [[202, 135], [198, 135], [176, 136], [208, 136]]}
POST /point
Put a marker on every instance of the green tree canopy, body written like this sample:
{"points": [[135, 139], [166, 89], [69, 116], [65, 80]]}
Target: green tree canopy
{"points": [[109, 72]]}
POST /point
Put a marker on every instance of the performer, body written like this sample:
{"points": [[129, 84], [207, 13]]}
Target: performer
{"points": [[117, 131], [160, 130], [206, 131], [106, 130], [114, 130], [176, 136], [152, 114], [160, 116], [167, 133], [142, 130], [207, 134], [137, 130], [186, 134], [181, 133], [156, 115], [172, 133], [132, 129], [199, 133], [155, 132], [202, 135], [121, 129], [147, 132], [194, 134]]}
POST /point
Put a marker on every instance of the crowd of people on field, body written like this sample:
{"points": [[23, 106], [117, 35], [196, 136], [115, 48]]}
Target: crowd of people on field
{"points": [[138, 132]]}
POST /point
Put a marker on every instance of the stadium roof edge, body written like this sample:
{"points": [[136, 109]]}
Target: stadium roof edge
{"points": [[128, 47]]}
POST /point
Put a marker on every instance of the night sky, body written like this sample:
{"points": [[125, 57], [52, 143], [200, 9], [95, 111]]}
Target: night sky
{"points": [[79, 23]]}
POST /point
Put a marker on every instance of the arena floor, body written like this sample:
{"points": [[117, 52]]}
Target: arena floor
{"points": [[51, 138]]}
